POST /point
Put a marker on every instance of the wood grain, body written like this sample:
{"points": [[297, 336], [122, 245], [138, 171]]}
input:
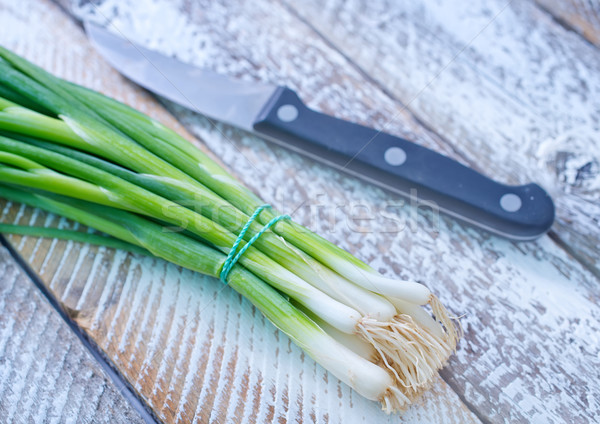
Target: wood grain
{"points": [[46, 374], [582, 16], [194, 351], [531, 348]]}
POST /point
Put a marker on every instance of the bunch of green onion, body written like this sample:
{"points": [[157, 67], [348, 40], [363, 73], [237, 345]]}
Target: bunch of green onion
{"points": [[76, 153]]}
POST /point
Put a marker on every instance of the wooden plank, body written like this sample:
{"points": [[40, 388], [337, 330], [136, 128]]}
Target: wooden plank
{"points": [[531, 351], [46, 374], [582, 16], [194, 351], [519, 99]]}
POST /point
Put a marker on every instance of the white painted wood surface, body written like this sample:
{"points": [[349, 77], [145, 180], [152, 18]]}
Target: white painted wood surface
{"points": [[191, 349], [583, 16], [46, 375], [531, 352], [514, 295]]}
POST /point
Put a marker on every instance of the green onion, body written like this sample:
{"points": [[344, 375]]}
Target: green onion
{"points": [[79, 154], [59, 233]]}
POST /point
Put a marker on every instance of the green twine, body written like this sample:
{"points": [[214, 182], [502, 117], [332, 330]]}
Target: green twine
{"points": [[232, 257]]}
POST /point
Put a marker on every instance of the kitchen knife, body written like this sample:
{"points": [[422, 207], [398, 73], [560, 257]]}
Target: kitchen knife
{"points": [[277, 114]]}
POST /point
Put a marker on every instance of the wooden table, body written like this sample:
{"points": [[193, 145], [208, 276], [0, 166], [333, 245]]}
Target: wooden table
{"points": [[509, 88]]}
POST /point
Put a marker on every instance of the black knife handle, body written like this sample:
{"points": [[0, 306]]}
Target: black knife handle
{"points": [[516, 212]]}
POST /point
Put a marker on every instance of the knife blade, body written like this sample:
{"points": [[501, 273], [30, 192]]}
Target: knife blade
{"points": [[276, 113]]}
